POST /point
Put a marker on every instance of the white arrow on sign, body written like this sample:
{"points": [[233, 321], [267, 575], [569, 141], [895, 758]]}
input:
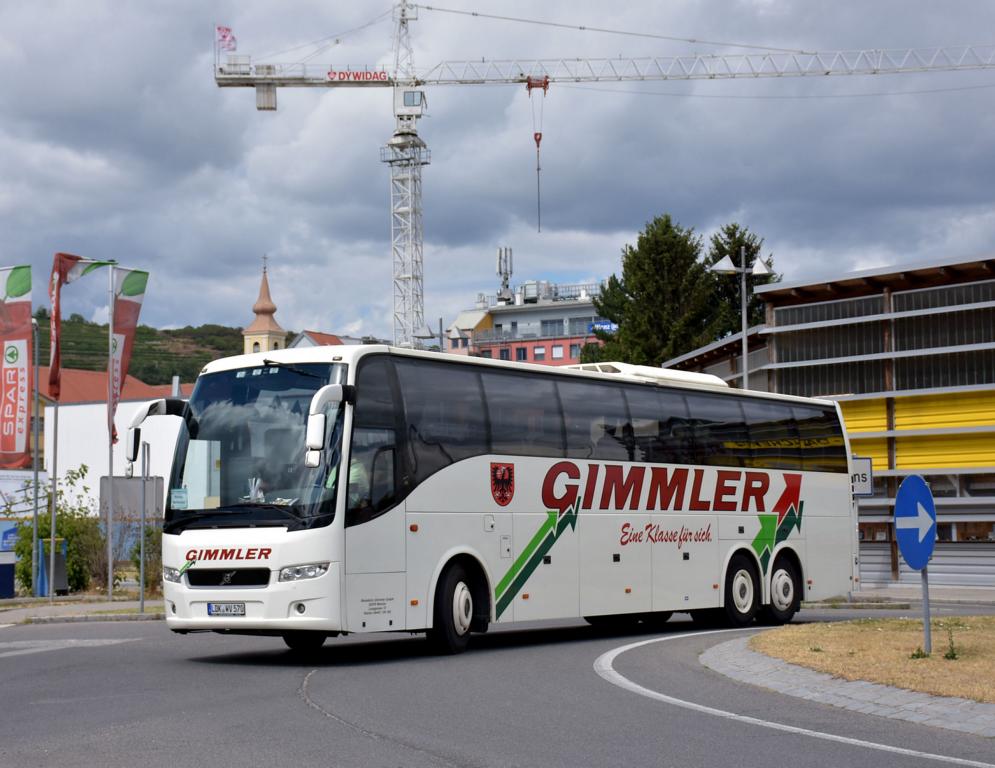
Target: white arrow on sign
{"points": [[922, 520]]}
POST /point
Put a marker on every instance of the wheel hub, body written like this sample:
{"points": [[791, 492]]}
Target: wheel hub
{"points": [[782, 591], [462, 608], [742, 591]]}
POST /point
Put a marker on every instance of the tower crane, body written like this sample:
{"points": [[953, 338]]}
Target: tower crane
{"points": [[405, 152]]}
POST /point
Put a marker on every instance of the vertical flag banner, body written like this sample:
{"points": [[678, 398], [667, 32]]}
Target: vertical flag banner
{"points": [[66, 268], [15, 367], [226, 40], [129, 291]]}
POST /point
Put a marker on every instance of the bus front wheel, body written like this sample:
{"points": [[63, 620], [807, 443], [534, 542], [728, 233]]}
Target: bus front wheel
{"points": [[453, 612], [741, 594]]}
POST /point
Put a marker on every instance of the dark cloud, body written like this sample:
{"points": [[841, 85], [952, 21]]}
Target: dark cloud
{"points": [[116, 143]]}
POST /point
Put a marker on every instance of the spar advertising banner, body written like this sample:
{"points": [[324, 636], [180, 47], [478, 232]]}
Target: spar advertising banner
{"points": [[15, 367], [129, 291], [66, 268]]}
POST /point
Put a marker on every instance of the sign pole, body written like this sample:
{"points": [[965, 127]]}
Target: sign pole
{"points": [[110, 436], [55, 499], [141, 545], [34, 464], [915, 529]]}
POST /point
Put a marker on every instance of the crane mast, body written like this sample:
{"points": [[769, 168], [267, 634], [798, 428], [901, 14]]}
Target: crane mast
{"points": [[405, 153]]}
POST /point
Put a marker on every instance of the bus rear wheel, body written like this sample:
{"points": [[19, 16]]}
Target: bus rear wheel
{"points": [[453, 612], [304, 640], [785, 595], [741, 591]]}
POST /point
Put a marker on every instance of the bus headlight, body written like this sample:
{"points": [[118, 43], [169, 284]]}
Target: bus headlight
{"points": [[170, 574], [298, 572]]}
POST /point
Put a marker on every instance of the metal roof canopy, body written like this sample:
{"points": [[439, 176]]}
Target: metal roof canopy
{"points": [[872, 281]]}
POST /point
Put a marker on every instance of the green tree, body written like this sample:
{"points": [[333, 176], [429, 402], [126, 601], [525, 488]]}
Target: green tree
{"points": [[76, 523], [731, 240], [663, 302]]}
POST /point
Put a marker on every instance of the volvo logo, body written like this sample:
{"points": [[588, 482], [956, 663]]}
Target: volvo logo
{"points": [[226, 578]]}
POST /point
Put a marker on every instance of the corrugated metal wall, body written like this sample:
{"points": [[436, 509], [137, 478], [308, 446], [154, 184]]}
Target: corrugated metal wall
{"points": [[953, 564], [960, 409], [875, 563]]}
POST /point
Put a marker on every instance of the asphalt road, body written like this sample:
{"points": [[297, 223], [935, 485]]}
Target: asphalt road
{"points": [[127, 694]]}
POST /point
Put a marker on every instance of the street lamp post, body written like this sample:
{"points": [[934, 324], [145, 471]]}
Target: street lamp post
{"points": [[724, 266]]}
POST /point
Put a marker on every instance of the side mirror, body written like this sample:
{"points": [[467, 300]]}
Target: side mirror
{"points": [[315, 437], [134, 440]]}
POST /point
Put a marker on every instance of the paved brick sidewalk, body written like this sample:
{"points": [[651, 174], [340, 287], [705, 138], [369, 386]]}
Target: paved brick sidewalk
{"points": [[735, 659], [74, 609]]}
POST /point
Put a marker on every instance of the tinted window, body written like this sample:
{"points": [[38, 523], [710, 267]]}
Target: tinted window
{"points": [[821, 439], [372, 477], [720, 436], [444, 414], [524, 414], [661, 428], [773, 434], [597, 425]]}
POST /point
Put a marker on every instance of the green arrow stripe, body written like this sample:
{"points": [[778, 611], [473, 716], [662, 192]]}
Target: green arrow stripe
{"points": [[549, 524], [523, 575], [531, 557]]}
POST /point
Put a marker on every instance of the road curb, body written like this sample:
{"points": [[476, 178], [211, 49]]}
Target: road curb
{"points": [[888, 606], [93, 617], [736, 660]]}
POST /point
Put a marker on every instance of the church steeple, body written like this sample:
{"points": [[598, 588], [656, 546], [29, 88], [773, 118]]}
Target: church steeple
{"points": [[264, 333]]}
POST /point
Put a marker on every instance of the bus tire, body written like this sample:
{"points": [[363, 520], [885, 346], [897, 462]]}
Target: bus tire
{"points": [[742, 591], [785, 594], [453, 612], [303, 640]]}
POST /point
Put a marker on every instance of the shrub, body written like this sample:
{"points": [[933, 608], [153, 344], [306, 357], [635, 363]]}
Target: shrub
{"points": [[76, 522]]}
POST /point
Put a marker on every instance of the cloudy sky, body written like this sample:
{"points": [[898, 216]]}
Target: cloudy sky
{"points": [[116, 143]]}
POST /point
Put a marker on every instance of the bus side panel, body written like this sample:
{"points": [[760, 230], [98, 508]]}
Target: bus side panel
{"points": [[550, 588], [433, 539], [376, 602], [376, 546], [828, 529], [375, 573], [685, 562], [614, 567]]}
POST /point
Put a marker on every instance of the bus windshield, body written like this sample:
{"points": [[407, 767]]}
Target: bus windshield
{"points": [[240, 461]]}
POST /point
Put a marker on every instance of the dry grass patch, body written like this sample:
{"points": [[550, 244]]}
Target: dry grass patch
{"points": [[883, 650]]}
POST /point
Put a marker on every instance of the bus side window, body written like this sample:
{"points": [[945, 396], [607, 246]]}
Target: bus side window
{"points": [[525, 415], [371, 474], [660, 426], [821, 437], [444, 412], [773, 434], [596, 420], [720, 435]]}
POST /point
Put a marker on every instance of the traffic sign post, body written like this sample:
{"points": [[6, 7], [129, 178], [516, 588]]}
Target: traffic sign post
{"points": [[915, 529]]}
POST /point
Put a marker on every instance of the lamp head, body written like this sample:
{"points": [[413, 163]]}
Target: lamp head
{"points": [[724, 266]]}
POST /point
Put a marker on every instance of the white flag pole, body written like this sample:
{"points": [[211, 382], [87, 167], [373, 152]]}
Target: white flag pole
{"points": [[110, 435]]}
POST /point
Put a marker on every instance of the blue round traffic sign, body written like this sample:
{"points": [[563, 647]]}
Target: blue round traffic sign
{"points": [[915, 521]]}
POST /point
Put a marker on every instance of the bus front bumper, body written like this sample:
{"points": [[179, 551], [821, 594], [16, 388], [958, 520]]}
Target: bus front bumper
{"points": [[308, 604]]}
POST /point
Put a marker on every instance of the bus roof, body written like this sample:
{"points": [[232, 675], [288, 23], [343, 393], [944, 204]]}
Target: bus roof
{"points": [[350, 354]]}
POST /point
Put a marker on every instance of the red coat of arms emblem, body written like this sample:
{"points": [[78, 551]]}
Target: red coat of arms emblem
{"points": [[502, 483]]}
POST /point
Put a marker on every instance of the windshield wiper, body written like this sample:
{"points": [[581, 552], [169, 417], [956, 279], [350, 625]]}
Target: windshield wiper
{"points": [[294, 368]]}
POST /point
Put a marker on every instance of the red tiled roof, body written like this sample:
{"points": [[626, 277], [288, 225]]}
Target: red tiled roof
{"points": [[323, 339], [91, 386]]}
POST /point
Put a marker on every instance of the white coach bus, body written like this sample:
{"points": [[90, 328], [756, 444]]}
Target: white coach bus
{"points": [[369, 489]]}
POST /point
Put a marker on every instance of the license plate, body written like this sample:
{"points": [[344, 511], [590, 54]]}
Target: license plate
{"points": [[226, 609]]}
